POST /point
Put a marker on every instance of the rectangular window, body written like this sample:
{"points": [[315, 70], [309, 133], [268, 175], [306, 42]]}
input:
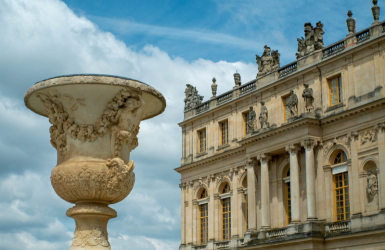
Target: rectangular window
{"points": [[226, 219], [202, 140], [288, 203], [204, 223], [245, 126], [335, 87], [287, 113], [341, 196], [224, 132]]}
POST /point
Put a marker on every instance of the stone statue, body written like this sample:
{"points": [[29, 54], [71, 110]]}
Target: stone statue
{"points": [[372, 188], [264, 116], [192, 99], [214, 87], [237, 79], [308, 96], [268, 62], [351, 23], [313, 40], [376, 11], [292, 104], [251, 121]]}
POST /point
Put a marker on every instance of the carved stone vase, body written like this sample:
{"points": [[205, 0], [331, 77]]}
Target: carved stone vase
{"points": [[95, 122]]}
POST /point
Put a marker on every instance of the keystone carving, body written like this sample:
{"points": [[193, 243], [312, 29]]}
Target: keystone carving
{"points": [[268, 62], [313, 40], [192, 99]]}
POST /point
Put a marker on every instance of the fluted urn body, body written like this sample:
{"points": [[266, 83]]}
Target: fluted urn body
{"points": [[95, 122]]}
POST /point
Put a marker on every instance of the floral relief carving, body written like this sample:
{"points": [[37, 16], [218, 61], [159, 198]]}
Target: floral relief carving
{"points": [[112, 184], [123, 115], [95, 237], [369, 135]]}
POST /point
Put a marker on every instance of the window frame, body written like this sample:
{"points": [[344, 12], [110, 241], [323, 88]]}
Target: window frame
{"points": [[339, 90], [224, 135], [340, 154], [203, 215], [200, 141]]}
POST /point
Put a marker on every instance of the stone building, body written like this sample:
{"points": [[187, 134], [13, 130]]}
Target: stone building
{"points": [[294, 159]]}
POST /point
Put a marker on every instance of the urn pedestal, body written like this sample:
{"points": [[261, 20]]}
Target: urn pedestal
{"points": [[95, 122]]}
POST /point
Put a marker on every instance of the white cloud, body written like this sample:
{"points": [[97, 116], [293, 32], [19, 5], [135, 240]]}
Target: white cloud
{"points": [[44, 38]]}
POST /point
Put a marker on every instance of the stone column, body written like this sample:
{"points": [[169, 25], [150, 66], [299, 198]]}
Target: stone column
{"points": [[211, 209], [265, 191], [329, 196], [189, 214], [234, 204], [241, 219], [309, 144], [294, 183], [183, 215], [357, 199], [381, 159], [252, 221], [195, 222], [217, 217]]}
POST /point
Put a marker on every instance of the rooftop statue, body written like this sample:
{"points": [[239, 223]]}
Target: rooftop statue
{"points": [[192, 99], [313, 40], [214, 87], [268, 62], [237, 79]]}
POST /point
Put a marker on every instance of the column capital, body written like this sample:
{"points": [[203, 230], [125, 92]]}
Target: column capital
{"points": [[264, 158], [354, 135], [250, 162], [308, 143], [182, 186], [292, 148]]}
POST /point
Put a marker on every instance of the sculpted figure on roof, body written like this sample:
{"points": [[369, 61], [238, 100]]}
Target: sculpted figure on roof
{"points": [[192, 99], [268, 62], [313, 39]]}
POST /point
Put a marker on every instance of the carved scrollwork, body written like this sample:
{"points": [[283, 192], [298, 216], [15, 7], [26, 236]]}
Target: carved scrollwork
{"points": [[95, 237], [123, 115], [112, 183]]}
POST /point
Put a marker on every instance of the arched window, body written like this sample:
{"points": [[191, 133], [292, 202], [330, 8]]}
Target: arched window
{"points": [[288, 197], [226, 214], [341, 189], [203, 218]]}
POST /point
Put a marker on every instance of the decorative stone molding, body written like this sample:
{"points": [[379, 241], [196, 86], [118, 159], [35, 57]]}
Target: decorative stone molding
{"points": [[201, 183], [216, 197], [292, 149], [89, 209], [223, 177], [327, 168], [111, 181], [309, 143], [264, 158], [369, 135], [195, 202], [186, 203], [250, 162]]}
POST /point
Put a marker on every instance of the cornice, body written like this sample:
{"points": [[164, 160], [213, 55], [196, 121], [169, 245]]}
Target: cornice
{"points": [[280, 130], [210, 159], [353, 112]]}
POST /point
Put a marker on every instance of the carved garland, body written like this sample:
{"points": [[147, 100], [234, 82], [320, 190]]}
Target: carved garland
{"points": [[62, 124]]}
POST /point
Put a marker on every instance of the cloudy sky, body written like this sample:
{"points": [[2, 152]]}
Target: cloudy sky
{"points": [[165, 43]]}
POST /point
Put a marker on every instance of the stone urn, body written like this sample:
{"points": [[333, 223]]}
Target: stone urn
{"points": [[95, 122]]}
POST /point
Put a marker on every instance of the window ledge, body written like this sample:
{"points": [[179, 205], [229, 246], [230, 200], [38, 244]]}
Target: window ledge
{"points": [[337, 106], [223, 146], [201, 154]]}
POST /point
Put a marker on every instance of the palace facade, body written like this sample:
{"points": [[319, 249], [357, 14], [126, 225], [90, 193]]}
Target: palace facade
{"points": [[294, 159]]}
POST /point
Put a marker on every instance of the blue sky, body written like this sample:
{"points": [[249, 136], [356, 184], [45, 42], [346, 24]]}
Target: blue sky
{"points": [[166, 44]]}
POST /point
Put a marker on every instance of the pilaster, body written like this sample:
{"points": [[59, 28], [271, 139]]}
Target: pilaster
{"points": [[265, 190], [211, 214], [294, 183], [234, 205], [381, 158], [357, 199], [329, 199]]}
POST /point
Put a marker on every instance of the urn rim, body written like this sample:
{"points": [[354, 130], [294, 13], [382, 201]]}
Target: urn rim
{"points": [[96, 79]]}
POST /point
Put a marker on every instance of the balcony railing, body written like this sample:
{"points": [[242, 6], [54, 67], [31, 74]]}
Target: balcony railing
{"points": [[276, 233], [224, 98], [363, 36], [223, 245], [287, 69], [337, 227], [248, 88], [333, 49], [203, 107]]}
